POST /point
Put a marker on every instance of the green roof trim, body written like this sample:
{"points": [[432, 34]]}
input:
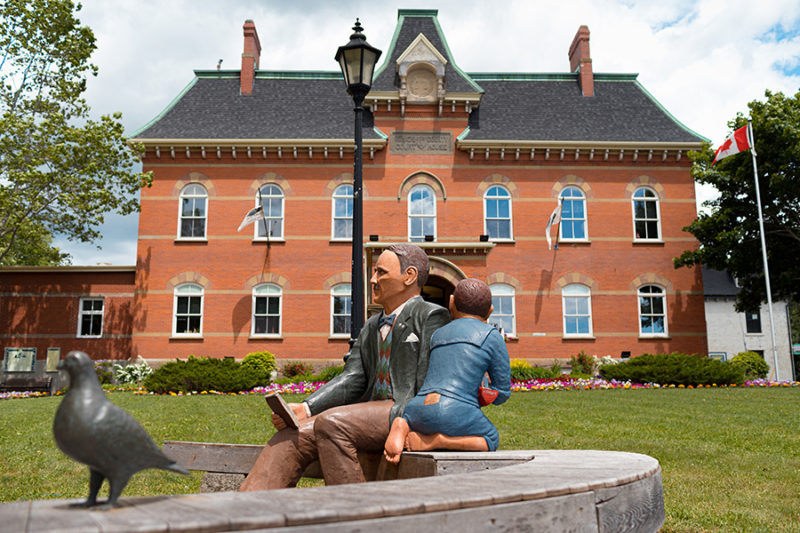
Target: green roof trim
{"points": [[670, 115], [432, 13], [547, 76], [273, 74], [379, 133], [165, 110], [417, 13]]}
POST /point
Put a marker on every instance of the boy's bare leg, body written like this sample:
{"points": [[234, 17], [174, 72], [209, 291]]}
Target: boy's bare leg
{"points": [[396, 440], [419, 442]]}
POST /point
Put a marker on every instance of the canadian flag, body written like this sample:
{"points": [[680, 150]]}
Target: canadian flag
{"points": [[738, 141]]}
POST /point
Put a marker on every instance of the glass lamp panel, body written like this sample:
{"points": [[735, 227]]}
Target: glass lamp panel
{"points": [[352, 64]]}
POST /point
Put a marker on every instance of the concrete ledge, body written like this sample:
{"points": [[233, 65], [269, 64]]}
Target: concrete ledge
{"points": [[580, 490]]}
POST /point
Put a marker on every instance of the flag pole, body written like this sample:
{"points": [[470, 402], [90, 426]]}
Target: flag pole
{"points": [[751, 141], [263, 216]]}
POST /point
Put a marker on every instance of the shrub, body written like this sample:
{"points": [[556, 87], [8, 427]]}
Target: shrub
{"points": [[329, 372], [555, 368], [204, 373], [296, 368], [752, 364], [262, 364], [105, 372], [582, 363], [132, 374], [523, 371], [674, 369]]}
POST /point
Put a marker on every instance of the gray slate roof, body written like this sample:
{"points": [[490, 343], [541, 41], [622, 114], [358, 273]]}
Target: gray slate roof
{"points": [[718, 283], [314, 105], [555, 110], [212, 108]]}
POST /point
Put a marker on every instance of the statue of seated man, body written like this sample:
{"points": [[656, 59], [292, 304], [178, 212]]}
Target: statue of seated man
{"points": [[383, 371], [445, 414]]}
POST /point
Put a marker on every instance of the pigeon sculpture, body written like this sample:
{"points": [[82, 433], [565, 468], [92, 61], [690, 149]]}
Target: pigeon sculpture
{"points": [[91, 430]]}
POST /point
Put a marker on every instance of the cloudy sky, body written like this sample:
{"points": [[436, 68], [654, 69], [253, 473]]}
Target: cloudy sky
{"points": [[703, 60]]}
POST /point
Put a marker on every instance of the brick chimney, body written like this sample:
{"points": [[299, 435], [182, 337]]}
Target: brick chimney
{"points": [[580, 61], [250, 57]]}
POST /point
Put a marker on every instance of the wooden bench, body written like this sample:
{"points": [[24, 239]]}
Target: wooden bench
{"points": [[226, 465], [559, 490], [19, 384]]}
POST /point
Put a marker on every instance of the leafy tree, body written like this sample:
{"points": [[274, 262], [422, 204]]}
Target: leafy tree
{"points": [[60, 171], [729, 234]]}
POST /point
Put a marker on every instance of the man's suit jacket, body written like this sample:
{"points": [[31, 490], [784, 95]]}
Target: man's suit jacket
{"points": [[408, 362]]}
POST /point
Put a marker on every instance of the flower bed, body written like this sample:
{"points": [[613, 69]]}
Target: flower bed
{"points": [[562, 384]]}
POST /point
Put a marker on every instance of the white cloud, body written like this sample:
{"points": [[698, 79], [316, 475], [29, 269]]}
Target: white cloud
{"points": [[703, 60]]}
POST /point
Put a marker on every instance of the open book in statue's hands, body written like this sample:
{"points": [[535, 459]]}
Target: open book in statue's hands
{"points": [[282, 409]]}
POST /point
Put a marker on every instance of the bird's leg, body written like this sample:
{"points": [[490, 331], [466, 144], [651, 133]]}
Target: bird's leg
{"points": [[115, 486], [95, 481]]}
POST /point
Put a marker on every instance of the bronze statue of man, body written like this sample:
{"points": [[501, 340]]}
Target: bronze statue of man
{"points": [[383, 370]]}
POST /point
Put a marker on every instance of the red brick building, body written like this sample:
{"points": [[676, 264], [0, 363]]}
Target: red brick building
{"points": [[470, 164]]}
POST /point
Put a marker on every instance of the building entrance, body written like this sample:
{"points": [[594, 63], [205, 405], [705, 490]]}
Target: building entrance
{"points": [[438, 290]]}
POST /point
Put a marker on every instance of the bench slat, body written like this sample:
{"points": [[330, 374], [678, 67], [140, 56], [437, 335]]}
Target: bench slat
{"points": [[213, 457]]}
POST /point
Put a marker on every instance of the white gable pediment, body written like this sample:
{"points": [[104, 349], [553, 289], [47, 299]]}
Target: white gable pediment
{"points": [[421, 49], [421, 70]]}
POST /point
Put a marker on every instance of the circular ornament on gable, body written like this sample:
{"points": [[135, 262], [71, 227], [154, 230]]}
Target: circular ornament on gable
{"points": [[421, 83]]}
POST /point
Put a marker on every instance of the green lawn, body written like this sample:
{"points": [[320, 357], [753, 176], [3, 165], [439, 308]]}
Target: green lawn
{"points": [[730, 457]]}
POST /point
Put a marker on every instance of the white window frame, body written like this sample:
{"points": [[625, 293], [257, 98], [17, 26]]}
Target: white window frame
{"points": [[266, 290], [498, 198], [338, 291], [92, 312], [563, 199], [503, 290], [411, 216], [258, 225], [576, 290], [187, 290], [339, 195], [192, 191], [646, 200], [662, 295]]}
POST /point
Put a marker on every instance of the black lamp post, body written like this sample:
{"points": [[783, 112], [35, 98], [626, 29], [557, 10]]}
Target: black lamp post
{"points": [[357, 60]]}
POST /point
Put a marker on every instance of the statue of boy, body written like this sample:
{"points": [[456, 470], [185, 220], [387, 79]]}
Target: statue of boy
{"points": [[445, 414], [383, 372]]}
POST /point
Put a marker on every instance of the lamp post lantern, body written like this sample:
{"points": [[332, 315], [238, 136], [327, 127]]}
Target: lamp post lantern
{"points": [[357, 60]]}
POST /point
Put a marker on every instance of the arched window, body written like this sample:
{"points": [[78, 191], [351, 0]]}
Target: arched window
{"points": [[497, 213], [577, 307], [266, 310], [188, 310], [503, 313], [272, 205], [342, 213], [646, 215], [573, 215], [192, 217], [652, 311], [340, 309], [421, 213]]}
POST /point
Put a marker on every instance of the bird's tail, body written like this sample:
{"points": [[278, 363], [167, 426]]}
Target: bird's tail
{"points": [[175, 467]]}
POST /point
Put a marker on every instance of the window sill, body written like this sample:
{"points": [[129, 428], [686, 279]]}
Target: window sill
{"points": [[179, 337], [339, 337], [574, 241], [754, 334], [654, 337], [88, 336], [265, 337], [578, 337], [502, 241], [188, 240], [648, 241], [268, 241]]}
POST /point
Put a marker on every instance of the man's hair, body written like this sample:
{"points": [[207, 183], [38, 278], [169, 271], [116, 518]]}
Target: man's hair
{"points": [[473, 297], [412, 256]]}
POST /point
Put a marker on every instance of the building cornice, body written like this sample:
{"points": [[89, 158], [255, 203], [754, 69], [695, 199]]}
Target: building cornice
{"points": [[254, 148], [561, 150]]}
